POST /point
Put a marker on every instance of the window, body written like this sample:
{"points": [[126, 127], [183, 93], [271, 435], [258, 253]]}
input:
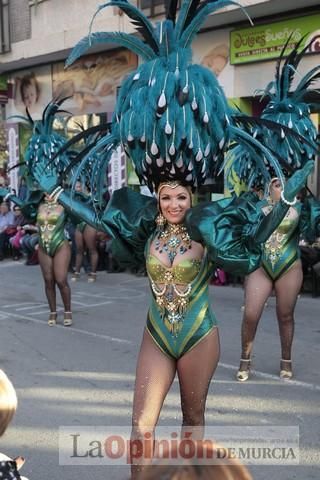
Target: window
{"points": [[152, 8], [4, 26]]}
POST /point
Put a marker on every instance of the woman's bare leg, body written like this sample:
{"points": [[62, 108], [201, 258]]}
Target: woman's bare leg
{"points": [[78, 238], [287, 288], [46, 265], [61, 262], [257, 290], [90, 238], [154, 376], [195, 371]]}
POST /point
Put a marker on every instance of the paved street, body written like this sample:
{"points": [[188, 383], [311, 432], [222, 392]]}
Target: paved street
{"points": [[84, 375]]}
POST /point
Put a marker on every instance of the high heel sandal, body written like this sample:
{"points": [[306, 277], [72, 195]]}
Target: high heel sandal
{"points": [[286, 374], [92, 277], [52, 319], [67, 320], [243, 375], [75, 276]]}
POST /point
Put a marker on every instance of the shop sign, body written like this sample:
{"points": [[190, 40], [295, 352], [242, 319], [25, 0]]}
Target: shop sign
{"points": [[266, 42]]}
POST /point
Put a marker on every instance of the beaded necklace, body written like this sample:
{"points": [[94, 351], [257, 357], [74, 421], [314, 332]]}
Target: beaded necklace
{"points": [[173, 240]]}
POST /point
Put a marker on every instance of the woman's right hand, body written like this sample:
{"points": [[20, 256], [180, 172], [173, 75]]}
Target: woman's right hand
{"points": [[297, 181]]}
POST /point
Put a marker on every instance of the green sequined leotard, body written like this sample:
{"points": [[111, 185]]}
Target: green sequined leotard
{"points": [[231, 231], [281, 250], [180, 315], [51, 219]]}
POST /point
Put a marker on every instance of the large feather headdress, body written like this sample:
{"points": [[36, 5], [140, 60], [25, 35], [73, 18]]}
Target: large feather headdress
{"points": [[171, 116], [295, 140]]}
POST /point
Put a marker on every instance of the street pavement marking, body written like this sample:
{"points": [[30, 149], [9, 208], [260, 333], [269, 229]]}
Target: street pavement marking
{"points": [[10, 305], [295, 383], [31, 306], [71, 329]]}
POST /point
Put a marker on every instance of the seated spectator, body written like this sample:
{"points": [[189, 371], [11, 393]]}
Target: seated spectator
{"points": [[9, 468], [6, 222], [14, 240], [29, 243]]}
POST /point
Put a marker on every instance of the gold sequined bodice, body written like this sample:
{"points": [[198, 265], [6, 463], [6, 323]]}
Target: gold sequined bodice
{"points": [[183, 272], [172, 288], [280, 250], [51, 221]]}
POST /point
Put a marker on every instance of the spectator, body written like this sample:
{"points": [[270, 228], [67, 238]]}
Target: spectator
{"points": [[29, 243], [8, 403], [6, 221]]}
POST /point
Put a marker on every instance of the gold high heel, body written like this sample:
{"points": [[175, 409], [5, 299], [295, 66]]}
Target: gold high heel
{"points": [[286, 374], [52, 319], [67, 320], [75, 276], [92, 277], [243, 375]]}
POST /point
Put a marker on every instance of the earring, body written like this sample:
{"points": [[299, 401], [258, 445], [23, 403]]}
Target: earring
{"points": [[160, 221]]}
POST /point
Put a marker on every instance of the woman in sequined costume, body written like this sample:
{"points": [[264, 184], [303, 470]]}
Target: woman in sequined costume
{"points": [[54, 250], [281, 271], [181, 249]]}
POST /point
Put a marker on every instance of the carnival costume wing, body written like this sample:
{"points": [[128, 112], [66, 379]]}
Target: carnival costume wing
{"points": [[131, 227], [294, 142], [171, 116], [233, 230]]}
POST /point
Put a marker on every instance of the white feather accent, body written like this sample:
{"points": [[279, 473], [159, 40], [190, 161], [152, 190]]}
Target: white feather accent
{"points": [[154, 148], [168, 129], [199, 156], [162, 102], [172, 149], [179, 162]]}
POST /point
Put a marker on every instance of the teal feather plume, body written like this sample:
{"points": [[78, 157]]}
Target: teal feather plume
{"points": [[172, 117], [125, 40], [46, 144], [138, 19], [205, 8]]}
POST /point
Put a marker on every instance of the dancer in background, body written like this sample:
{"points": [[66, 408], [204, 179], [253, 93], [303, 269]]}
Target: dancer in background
{"points": [[281, 271], [54, 251], [280, 268]]}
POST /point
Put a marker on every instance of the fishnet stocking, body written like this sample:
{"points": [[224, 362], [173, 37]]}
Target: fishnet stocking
{"points": [[287, 289], [154, 376], [257, 290], [55, 271]]}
